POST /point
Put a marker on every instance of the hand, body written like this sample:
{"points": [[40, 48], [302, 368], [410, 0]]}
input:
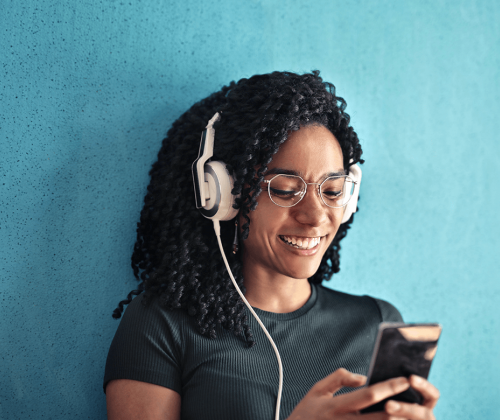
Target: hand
{"points": [[415, 411], [319, 402]]}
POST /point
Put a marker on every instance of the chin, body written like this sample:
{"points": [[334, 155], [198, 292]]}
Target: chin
{"points": [[301, 273]]}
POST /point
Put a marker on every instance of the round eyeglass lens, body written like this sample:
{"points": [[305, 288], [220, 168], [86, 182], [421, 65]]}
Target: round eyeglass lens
{"points": [[286, 190], [337, 191]]}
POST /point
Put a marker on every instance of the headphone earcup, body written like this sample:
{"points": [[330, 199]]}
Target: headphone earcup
{"points": [[352, 205], [219, 206]]}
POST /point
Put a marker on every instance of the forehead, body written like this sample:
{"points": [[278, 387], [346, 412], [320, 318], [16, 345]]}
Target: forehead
{"points": [[312, 152]]}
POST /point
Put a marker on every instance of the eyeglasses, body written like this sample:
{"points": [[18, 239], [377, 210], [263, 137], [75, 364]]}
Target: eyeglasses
{"points": [[288, 190]]}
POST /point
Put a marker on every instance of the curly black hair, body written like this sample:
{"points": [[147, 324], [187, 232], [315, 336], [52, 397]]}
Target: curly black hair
{"points": [[176, 255]]}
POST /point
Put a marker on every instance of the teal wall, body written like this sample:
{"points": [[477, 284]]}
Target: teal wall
{"points": [[88, 89]]}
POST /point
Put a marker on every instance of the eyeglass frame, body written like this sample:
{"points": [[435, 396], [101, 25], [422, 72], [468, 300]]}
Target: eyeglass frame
{"points": [[268, 182]]}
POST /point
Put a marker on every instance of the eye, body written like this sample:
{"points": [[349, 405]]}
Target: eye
{"points": [[332, 195], [286, 188], [284, 194], [333, 188]]}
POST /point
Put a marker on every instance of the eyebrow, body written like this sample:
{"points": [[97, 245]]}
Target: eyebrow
{"points": [[281, 171]]}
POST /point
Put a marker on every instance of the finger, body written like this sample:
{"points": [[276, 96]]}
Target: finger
{"points": [[429, 392], [409, 411], [338, 379], [378, 416], [362, 398]]}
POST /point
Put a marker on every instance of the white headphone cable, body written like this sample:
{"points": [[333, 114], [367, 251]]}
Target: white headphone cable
{"points": [[280, 387]]}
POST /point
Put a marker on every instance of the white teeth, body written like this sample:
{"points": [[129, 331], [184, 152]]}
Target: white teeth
{"points": [[306, 243]]}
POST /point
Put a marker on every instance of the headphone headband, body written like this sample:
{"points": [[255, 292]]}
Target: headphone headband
{"points": [[205, 152]]}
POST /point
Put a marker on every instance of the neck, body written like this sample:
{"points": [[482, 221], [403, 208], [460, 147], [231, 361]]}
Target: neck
{"points": [[278, 294]]}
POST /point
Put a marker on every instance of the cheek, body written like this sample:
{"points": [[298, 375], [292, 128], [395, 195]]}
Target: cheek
{"points": [[269, 220], [327, 245], [266, 222]]}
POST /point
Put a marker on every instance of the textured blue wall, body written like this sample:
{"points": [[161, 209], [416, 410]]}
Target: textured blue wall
{"points": [[89, 88]]}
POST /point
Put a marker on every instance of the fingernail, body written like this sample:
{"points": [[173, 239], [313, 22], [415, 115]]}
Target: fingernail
{"points": [[393, 406], [402, 381], [417, 380]]}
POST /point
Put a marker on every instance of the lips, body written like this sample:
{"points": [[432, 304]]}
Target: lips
{"points": [[301, 242]]}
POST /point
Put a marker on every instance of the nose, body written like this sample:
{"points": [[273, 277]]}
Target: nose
{"points": [[311, 210]]}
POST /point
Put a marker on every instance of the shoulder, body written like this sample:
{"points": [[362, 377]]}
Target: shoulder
{"points": [[148, 345], [362, 305], [150, 318], [152, 326], [388, 312], [142, 310]]}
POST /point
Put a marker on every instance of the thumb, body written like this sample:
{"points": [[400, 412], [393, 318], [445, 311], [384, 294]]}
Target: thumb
{"points": [[337, 380]]}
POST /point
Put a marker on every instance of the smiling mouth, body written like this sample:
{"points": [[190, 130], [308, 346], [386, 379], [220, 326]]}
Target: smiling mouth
{"points": [[300, 242]]}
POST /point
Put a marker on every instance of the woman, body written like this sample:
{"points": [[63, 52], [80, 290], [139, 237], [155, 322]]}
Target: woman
{"points": [[185, 348]]}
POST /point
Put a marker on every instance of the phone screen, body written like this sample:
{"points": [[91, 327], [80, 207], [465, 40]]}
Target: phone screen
{"points": [[402, 350]]}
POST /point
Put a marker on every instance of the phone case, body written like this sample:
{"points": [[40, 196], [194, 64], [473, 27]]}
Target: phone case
{"points": [[402, 350]]}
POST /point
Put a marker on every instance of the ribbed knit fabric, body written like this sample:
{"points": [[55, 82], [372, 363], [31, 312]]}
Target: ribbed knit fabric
{"points": [[223, 379]]}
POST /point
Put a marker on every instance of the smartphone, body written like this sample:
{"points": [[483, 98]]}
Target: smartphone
{"points": [[402, 350]]}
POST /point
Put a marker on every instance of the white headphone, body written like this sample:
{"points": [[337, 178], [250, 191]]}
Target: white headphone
{"points": [[352, 205], [213, 182]]}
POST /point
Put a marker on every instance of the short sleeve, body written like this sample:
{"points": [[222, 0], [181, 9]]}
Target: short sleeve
{"points": [[388, 312], [146, 347]]}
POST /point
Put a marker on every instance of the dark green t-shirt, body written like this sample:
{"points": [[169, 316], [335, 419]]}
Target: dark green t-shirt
{"points": [[224, 379]]}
